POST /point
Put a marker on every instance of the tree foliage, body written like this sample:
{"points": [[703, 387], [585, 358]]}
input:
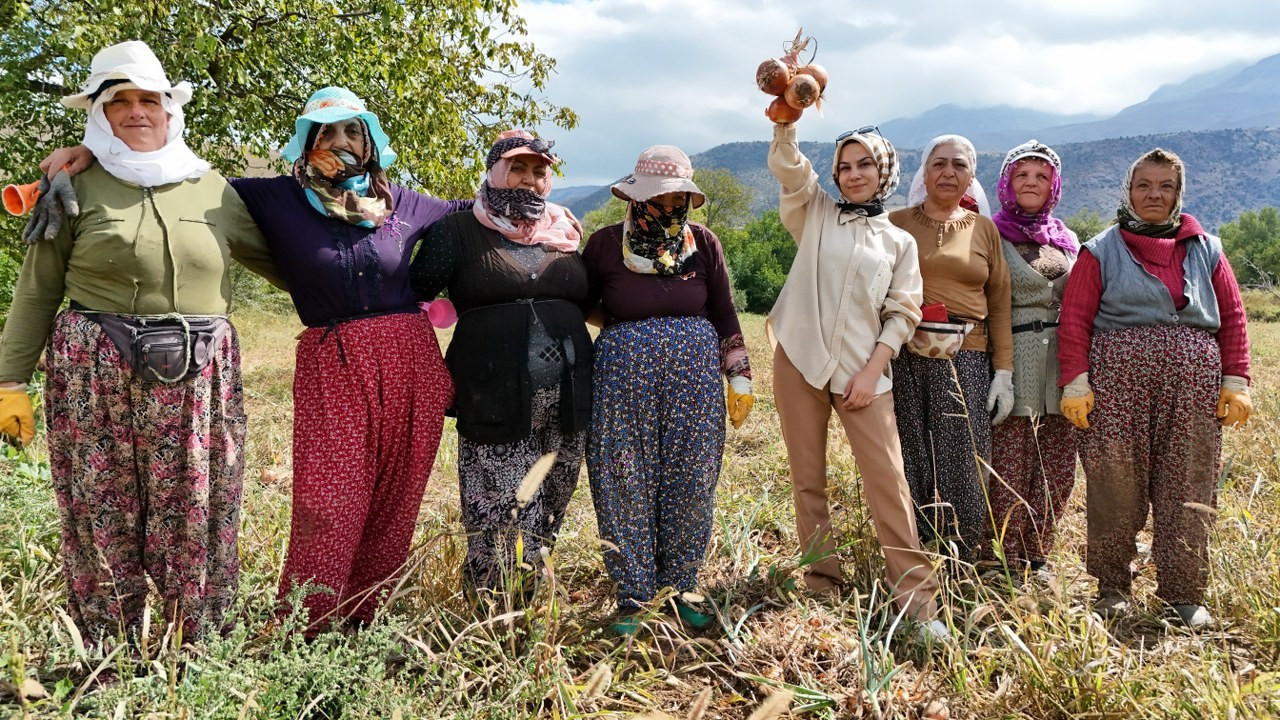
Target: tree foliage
{"points": [[610, 213], [443, 78], [1085, 224], [759, 258], [728, 204], [1252, 243]]}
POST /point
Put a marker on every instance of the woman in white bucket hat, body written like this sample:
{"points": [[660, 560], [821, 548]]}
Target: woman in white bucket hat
{"points": [[143, 394], [658, 411]]}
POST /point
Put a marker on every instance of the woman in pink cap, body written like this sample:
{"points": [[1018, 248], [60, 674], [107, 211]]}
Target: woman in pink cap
{"points": [[520, 358], [657, 424]]}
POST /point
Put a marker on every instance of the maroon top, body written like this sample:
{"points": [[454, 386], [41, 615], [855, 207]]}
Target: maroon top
{"points": [[625, 295], [1163, 258]]}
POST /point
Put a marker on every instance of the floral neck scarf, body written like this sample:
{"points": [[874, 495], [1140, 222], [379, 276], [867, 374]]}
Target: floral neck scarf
{"points": [[341, 186], [656, 241]]}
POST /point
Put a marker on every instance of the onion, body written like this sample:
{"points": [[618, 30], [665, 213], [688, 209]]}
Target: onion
{"points": [[817, 72], [772, 76], [780, 112], [802, 91]]}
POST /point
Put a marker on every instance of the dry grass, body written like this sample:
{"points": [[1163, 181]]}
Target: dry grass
{"points": [[1021, 652]]}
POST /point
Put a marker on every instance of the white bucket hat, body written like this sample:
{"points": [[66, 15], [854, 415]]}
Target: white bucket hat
{"points": [[132, 61], [660, 169]]}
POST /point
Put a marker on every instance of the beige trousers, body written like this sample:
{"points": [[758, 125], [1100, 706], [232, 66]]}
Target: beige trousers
{"points": [[873, 434]]}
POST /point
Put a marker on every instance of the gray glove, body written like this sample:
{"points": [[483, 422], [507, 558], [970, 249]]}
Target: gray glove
{"points": [[57, 199]]}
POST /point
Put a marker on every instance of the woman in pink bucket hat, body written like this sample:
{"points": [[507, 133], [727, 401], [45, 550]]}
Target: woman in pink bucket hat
{"points": [[658, 415]]}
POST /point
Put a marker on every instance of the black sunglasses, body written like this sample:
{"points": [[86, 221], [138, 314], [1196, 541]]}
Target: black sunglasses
{"points": [[860, 131]]}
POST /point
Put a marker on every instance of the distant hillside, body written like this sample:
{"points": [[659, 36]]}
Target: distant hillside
{"points": [[1247, 98], [988, 127], [1230, 171], [563, 196], [1232, 96]]}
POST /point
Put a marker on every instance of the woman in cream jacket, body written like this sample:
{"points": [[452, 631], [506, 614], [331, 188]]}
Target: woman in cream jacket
{"points": [[850, 302]]}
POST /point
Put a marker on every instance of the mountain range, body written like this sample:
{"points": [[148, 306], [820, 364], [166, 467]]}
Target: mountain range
{"points": [[1225, 123]]}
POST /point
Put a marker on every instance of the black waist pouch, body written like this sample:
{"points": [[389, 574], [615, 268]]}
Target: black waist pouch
{"points": [[168, 348]]}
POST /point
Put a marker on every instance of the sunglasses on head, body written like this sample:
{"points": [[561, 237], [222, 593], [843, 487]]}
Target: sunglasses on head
{"points": [[860, 131]]}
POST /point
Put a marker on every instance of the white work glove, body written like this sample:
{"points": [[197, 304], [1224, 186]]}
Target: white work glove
{"points": [[1000, 396]]}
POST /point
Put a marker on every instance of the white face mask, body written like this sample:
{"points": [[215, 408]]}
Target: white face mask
{"points": [[172, 163]]}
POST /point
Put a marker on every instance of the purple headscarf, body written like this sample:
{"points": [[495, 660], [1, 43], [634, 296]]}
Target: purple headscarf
{"points": [[1040, 227]]}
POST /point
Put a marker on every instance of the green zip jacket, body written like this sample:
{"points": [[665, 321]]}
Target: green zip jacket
{"points": [[137, 251]]}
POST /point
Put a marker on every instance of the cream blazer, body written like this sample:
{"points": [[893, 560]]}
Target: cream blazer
{"points": [[855, 280]]}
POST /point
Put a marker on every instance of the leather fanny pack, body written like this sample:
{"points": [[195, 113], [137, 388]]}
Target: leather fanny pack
{"points": [[166, 348]]}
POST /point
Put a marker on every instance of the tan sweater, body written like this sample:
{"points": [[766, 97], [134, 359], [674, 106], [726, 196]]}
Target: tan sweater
{"points": [[964, 267], [855, 281]]}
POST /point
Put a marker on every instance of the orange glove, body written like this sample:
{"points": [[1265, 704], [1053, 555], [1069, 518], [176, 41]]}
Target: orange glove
{"points": [[1234, 405], [739, 400], [1077, 401], [17, 417]]}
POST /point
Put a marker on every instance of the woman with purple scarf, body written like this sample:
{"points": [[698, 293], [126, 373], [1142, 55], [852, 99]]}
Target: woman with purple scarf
{"points": [[1034, 451]]}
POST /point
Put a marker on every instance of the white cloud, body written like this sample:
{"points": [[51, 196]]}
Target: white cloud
{"points": [[640, 72]]}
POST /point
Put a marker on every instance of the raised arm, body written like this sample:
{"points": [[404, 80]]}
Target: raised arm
{"points": [[795, 174]]}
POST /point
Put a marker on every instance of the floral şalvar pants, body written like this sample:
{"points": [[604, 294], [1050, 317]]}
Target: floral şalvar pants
{"points": [[148, 478]]}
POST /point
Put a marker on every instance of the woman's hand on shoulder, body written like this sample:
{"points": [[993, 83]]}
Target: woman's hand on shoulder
{"points": [[74, 160]]}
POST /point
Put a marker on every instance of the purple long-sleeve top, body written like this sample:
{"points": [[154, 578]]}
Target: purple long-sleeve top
{"points": [[336, 270]]}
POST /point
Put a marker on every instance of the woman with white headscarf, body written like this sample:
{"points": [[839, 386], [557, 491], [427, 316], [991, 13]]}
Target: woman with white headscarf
{"points": [[851, 300], [143, 393], [943, 385], [520, 358]]}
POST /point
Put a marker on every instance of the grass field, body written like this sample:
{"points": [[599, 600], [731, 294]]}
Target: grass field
{"points": [[1020, 653]]}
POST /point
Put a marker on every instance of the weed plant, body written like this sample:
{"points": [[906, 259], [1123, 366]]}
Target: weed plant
{"points": [[1021, 650]]}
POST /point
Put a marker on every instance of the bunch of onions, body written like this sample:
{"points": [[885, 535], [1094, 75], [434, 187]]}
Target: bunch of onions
{"points": [[794, 86]]}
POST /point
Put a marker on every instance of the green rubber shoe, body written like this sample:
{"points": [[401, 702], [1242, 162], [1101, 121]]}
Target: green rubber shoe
{"points": [[692, 611]]}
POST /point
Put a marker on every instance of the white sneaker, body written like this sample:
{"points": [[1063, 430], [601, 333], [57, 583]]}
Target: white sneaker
{"points": [[934, 632], [1195, 617], [1111, 605]]}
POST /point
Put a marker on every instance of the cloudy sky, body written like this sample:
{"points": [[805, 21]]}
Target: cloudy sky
{"points": [[641, 72]]}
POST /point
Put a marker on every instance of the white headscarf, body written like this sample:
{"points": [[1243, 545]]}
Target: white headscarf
{"points": [[917, 193], [172, 163]]}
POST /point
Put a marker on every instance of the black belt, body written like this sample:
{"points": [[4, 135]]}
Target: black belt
{"points": [[1036, 326]]}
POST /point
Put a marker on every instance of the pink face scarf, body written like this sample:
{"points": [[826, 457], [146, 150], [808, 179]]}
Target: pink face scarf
{"points": [[1040, 227], [550, 227]]}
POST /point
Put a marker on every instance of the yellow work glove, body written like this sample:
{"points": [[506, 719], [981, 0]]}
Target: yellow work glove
{"points": [[1077, 401], [739, 400], [1234, 405], [17, 417]]}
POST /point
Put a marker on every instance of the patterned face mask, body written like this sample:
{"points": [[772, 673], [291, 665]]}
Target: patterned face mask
{"points": [[657, 241]]}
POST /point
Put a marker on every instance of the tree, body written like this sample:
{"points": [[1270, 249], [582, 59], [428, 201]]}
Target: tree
{"points": [[1252, 243], [728, 204], [1085, 224], [610, 213], [444, 78], [759, 257]]}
